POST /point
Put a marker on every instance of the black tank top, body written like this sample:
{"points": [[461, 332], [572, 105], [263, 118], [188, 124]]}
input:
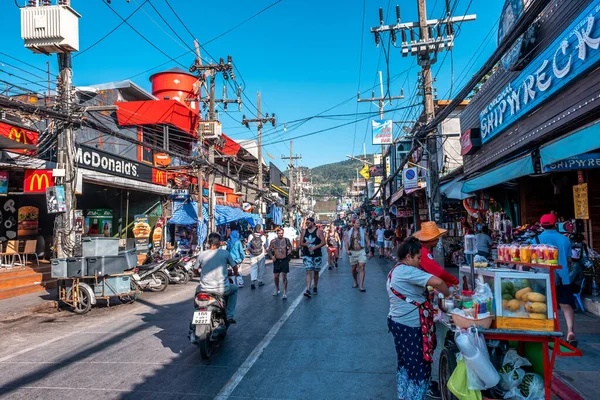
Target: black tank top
{"points": [[314, 240]]}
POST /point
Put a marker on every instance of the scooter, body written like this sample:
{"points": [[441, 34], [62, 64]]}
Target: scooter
{"points": [[153, 276], [178, 272], [209, 324]]}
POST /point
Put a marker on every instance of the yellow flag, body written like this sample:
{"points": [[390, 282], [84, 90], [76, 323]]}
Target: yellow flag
{"points": [[365, 172]]}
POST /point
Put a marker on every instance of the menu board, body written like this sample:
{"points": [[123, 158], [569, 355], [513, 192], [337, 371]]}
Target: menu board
{"points": [[141, 233], [580, 197]]}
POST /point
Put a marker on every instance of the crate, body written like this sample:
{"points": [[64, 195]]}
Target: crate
{"points": [[100, 246], [130, 257], [113, 285], [68, 267], [106, 265]]}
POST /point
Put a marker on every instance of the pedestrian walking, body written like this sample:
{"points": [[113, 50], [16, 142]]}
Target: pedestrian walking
{"points": [[388, 241], [280, 250], [356, 247], [564, 292], [410, 320], [333, 251], [372, 241], [312, 241], [236, 250], [380, 240], [257, 245]]}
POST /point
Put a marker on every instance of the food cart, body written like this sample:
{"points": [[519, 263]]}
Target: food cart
{"points": [[523, 315]]}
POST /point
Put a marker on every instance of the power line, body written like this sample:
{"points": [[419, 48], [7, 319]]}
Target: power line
{"points": [[362, 40]]}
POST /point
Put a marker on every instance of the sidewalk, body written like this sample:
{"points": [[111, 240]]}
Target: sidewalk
{"points": [[23, 306]]}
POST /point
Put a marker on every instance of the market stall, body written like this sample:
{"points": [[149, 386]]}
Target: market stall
{"points": [[501, 328]]}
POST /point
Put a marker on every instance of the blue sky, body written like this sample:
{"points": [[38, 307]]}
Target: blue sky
{"points": [[303, 56]]}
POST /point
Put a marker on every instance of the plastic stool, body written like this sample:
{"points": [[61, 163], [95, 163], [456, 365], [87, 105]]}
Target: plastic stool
{"points": [[577, 296]]}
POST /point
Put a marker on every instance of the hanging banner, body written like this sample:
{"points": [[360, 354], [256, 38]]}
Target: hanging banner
{"points": [[382, 131], [3, 183], [580, 197], [141, 233], [410, 178]]}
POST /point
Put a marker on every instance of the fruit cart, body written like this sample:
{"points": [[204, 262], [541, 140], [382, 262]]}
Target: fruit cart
{"points": [[81, 293], [529, 324]]}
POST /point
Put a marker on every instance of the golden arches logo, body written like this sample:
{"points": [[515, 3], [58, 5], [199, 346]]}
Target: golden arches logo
{"points": [[39, 178], [160, 177], [17, 135]]}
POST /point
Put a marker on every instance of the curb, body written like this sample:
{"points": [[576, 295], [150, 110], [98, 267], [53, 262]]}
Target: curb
{"points": [[45, 307], [563, 389]]}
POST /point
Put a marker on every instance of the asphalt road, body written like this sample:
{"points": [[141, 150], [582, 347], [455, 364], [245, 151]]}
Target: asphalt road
{"points": [[333, 346]]}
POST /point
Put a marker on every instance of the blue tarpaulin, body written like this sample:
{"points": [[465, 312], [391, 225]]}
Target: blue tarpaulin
{"points": [[186, 213]]}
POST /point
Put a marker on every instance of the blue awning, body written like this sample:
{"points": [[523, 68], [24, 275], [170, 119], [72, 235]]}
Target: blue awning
{"points": [[514, 169], [454, 189], [184, 213], [579, 142]]}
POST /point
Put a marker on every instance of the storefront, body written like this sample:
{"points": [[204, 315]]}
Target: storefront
{"points": [[530, 134]]}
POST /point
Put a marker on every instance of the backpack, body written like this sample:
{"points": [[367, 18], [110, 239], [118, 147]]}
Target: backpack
{"points": [[256, 245]]}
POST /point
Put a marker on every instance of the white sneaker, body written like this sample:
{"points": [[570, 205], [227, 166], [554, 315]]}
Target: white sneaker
{"points": [[276, 293]]}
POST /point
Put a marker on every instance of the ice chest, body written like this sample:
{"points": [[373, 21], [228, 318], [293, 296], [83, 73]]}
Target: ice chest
{"points": [[100, 246], [106, 265], [68, 267], [113, 285], [130, 257]]}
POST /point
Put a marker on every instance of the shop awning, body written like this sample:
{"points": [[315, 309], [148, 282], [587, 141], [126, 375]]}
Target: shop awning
{"points": [[454, 189], [578, 142], [514, 169], [151, 112], [186, 213], [120, 182]]}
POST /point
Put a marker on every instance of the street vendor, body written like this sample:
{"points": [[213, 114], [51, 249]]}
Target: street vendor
{"points": [[429, 236]]}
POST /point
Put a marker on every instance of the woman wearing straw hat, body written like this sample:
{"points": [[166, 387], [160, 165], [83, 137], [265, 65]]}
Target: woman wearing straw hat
{"points": [[429, 236]]}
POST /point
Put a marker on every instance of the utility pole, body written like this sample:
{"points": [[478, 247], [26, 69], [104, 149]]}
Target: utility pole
{"points": [[260, 121], [433, 37], [381, 102], [212, 127], [292, 203]]}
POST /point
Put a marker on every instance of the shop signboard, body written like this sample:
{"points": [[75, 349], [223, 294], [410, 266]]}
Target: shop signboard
{"points": [[102, 161], [141, 233], [19, 135], [470, 140], [3, 183], [410, 178], [277, 178], [581, 161], [404, 213], [55, 199], [571, 54], [580, 197], [37, 180], [382, 131], [180, 194]]}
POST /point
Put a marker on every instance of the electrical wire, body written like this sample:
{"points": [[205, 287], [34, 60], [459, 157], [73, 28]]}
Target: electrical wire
{"points": [[362, 39]]}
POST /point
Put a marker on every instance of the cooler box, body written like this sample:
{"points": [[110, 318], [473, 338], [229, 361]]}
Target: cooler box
{"points": [[68, 267], [130, 257], [100, 246], [113, 285], [106, 265]]}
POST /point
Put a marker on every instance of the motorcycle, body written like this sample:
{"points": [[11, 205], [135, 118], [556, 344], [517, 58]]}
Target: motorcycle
{"points": [[153, 276]]}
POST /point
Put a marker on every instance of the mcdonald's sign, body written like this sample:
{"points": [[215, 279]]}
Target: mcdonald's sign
{"points": [[37, 180], [159, 177], [20, 135]]}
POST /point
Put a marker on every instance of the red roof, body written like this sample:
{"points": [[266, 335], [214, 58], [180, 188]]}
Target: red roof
{"points": [[156, 112], [231, 148]]}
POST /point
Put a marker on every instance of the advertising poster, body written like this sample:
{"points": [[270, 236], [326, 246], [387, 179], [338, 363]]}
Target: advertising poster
{"points": [[55, 199], [141, 233], [3, 183], [157, 234], [8, 223], [28, 218], [382, 131], [98, 222]]}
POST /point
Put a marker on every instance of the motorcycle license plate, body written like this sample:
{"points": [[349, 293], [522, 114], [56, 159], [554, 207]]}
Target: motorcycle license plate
{"points": [[201, 317]]}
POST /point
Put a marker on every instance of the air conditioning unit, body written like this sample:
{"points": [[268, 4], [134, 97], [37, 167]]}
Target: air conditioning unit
{"points": [[50, 29], [211, 129]]}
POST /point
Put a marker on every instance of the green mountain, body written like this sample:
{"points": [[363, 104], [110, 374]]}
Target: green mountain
{"points": [[333, 179]]}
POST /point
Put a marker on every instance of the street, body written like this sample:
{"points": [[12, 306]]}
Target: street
{"points": [[332, 346]]}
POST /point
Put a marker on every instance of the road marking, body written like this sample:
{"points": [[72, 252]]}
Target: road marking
{"points": [[135, 307], [241, 372]]}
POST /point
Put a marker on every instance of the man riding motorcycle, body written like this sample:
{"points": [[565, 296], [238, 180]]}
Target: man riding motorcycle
{"points": [[214, 277]]}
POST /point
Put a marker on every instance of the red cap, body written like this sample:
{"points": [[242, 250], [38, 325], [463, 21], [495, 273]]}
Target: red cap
{"points": [[548, 220]]}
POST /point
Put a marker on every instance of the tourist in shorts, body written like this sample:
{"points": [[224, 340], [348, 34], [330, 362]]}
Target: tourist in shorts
{"points": [[312, 240], [357, 244], [280, 250]]}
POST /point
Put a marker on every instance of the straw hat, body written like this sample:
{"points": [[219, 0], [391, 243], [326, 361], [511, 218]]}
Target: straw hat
{"points": [[429, 231]]}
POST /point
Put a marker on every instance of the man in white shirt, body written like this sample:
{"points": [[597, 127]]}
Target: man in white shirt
{"points": [[380, 239], [257, 245]]}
